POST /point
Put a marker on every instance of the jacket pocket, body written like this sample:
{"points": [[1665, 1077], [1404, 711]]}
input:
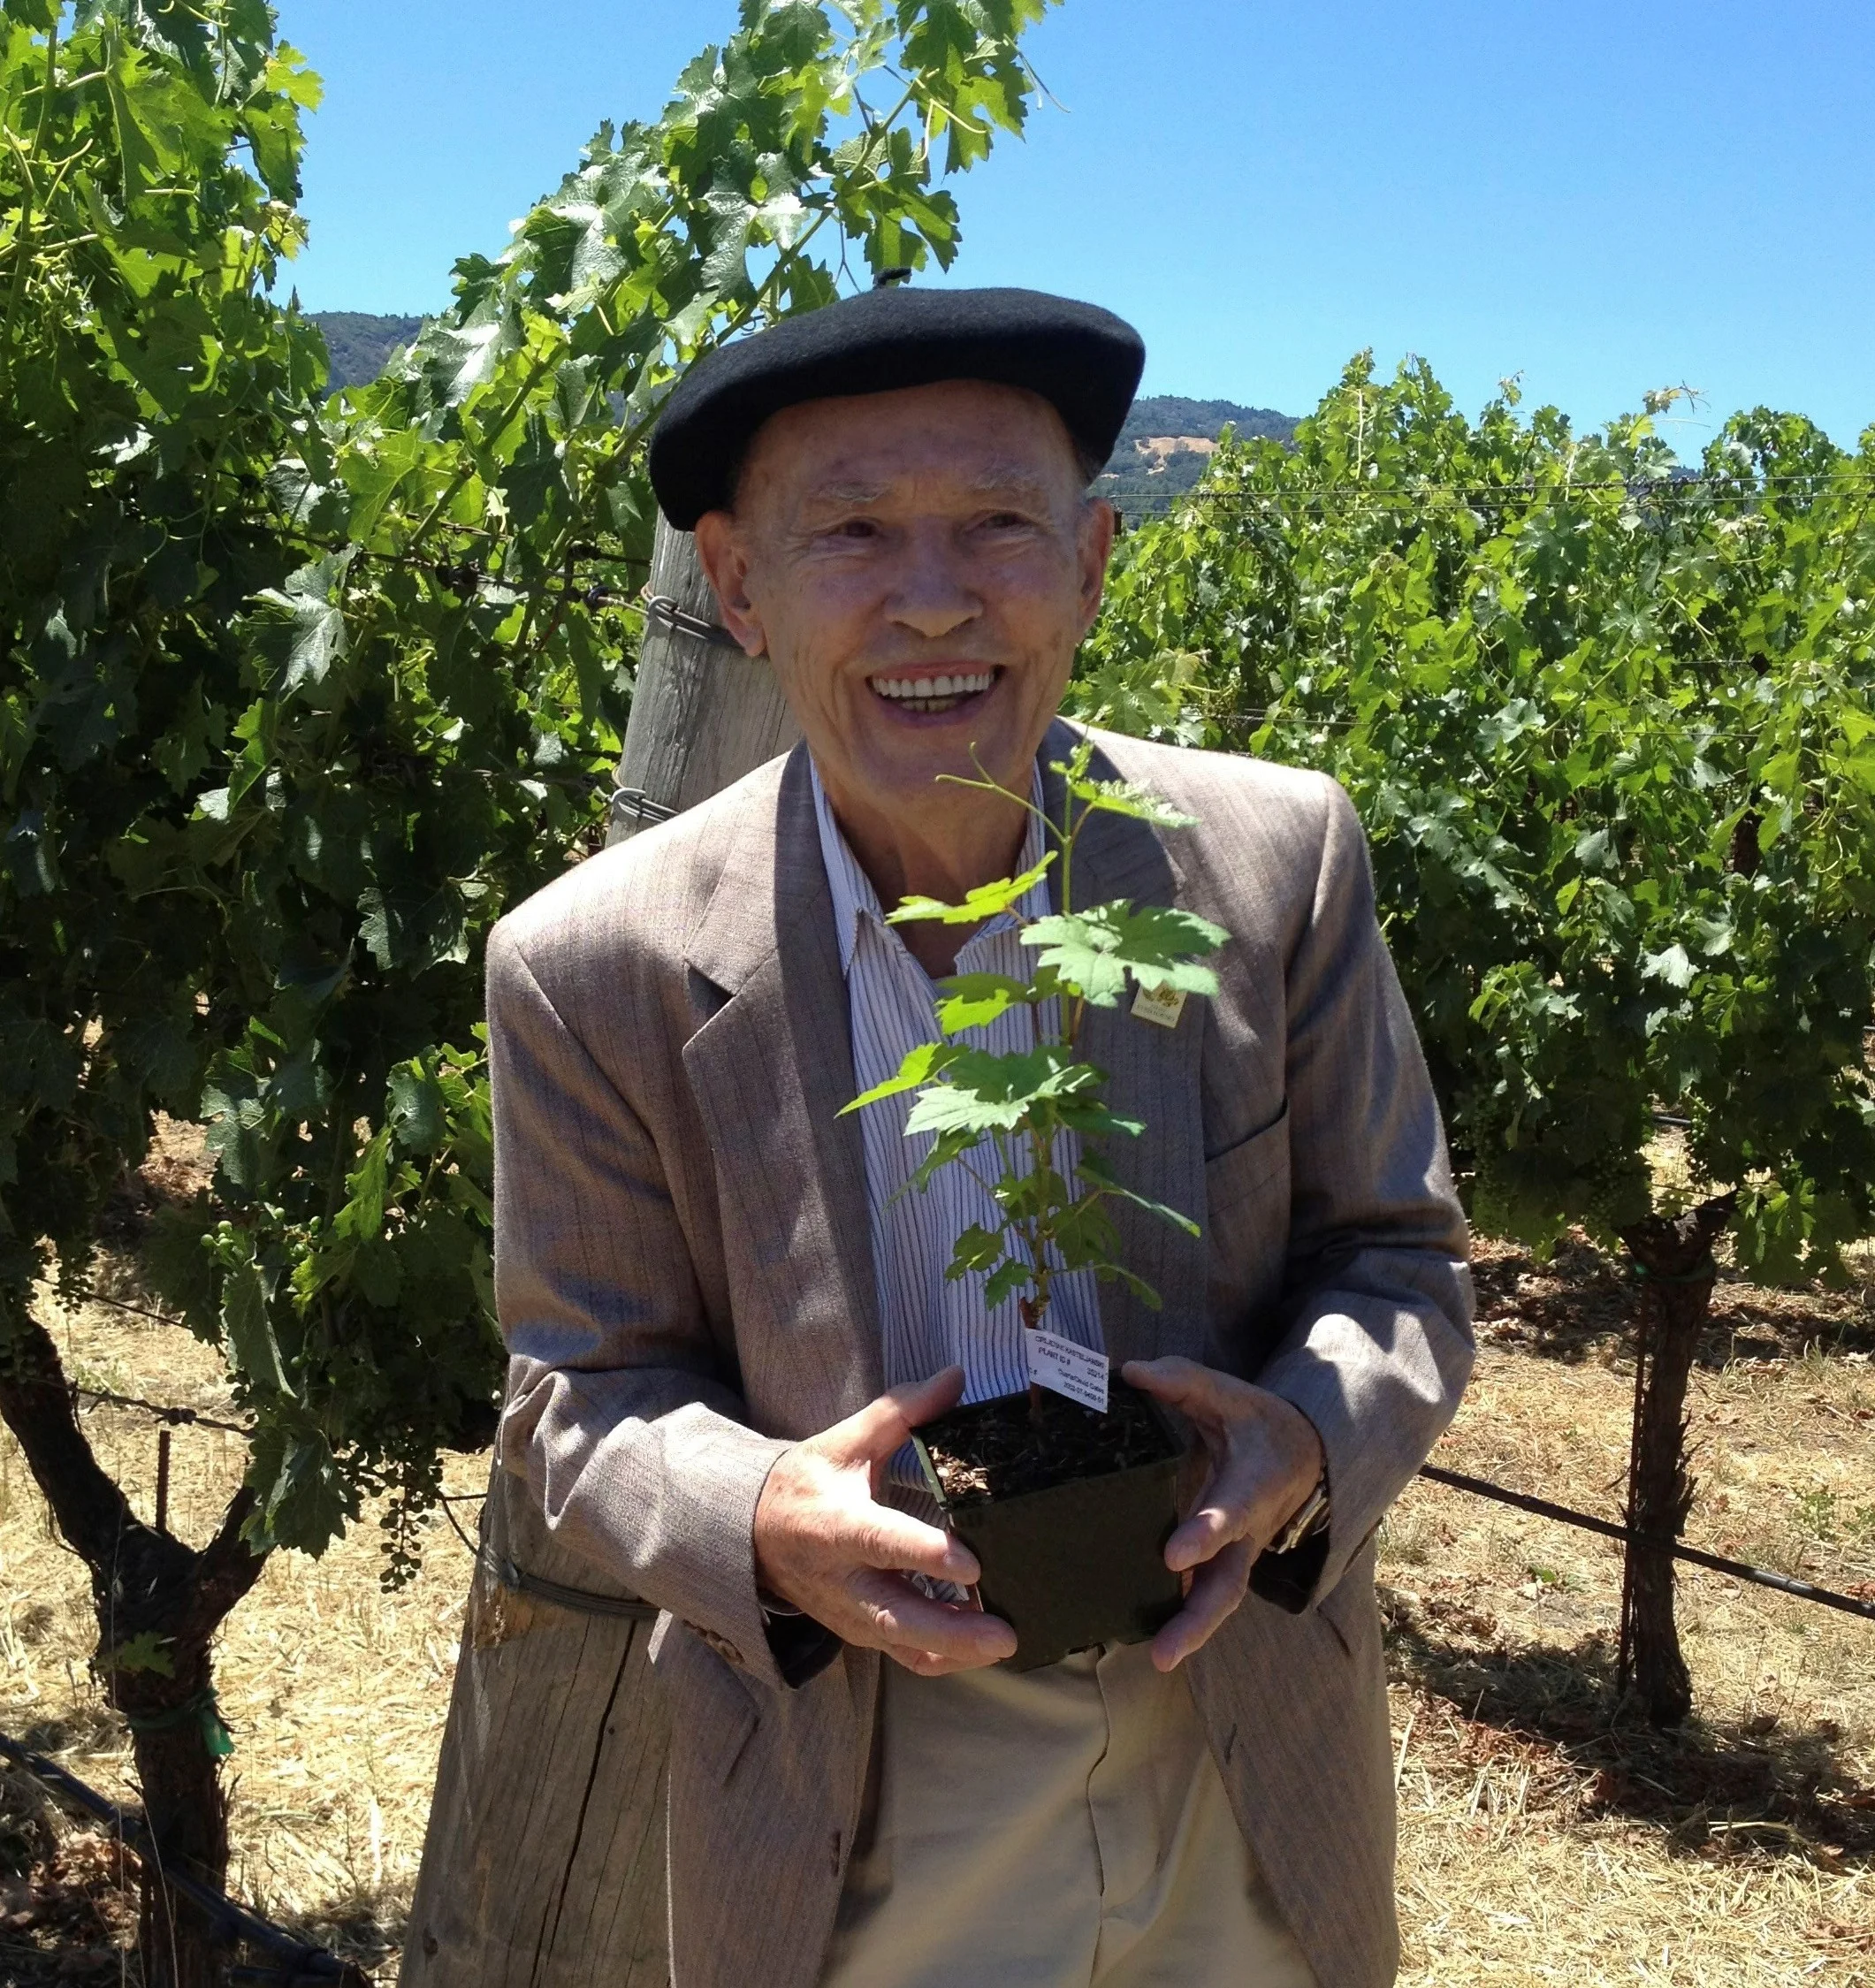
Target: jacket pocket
{"points": [[1233, 1175], [712, 1714], [1246, 1225]]}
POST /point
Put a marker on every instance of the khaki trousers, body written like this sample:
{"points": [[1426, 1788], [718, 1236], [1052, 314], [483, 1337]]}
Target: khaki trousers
{"points": [[1060, 1828]]}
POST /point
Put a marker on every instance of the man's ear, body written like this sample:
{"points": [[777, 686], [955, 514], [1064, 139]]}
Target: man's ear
{"points": [[726, 566], [1094, 548]]}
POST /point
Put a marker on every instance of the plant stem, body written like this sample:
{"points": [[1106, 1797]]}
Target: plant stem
{"points": [[23, 236]]}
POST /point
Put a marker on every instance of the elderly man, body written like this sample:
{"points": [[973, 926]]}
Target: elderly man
{"points": [[724, 1317]]}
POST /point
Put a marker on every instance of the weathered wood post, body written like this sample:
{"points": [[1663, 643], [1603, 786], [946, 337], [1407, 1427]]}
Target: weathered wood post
{"points": [[703, 714], [544, 1861], [543, 1864]]}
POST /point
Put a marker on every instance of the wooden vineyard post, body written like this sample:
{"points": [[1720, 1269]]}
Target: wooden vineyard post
{"points": [[543, 1864], [703, 714], [1674, 1259], [544, 1861]]}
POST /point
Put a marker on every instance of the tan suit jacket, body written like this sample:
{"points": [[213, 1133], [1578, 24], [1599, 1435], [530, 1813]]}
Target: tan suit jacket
{"points": [[684, 1274]]}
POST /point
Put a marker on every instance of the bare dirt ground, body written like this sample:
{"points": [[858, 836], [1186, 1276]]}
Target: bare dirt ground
{"points": [[1543, 1837]]}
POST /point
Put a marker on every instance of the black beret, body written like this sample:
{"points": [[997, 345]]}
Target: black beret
{"points": [[1083, 360]]}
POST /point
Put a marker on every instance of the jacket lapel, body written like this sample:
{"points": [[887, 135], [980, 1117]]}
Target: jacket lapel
{"points": [[770, 1071], [1153, 1075]]}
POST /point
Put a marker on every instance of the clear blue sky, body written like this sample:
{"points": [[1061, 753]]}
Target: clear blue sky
{"points": [[1605, 195]]}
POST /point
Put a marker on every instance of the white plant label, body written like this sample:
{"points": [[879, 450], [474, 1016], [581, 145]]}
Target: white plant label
{"points": [[1071, 1369], [1162, 1005]]}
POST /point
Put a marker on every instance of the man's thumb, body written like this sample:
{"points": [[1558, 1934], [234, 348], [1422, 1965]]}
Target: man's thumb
{"points": [[884, 1425]]}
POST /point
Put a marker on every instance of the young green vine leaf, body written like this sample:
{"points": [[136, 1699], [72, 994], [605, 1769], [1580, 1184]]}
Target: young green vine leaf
{"points": [[1094, 953], [983, 901], [1010, 1111]]}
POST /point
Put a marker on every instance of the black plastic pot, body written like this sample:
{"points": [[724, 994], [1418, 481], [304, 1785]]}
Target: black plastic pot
{"points": [[1078, 1562]]}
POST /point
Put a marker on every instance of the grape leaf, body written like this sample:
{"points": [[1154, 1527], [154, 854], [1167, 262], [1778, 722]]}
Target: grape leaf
{"points": [[253, 1351], [971, 1000], [1094, 951], [920, 1064], [984, 902], [977, 1249], [1116, 796], [1011, 1275], [1094, 1168]]}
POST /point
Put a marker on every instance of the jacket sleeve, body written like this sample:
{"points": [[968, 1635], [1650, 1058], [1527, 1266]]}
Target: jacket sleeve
{"points": [[1378, 1345], [618, 1414]]}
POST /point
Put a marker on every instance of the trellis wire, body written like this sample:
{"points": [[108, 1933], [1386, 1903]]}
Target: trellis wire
{"points": [[1713, 489], [518, 1578]]}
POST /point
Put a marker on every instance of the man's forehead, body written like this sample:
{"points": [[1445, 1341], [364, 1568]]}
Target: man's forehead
{"points": [[866, 479], [983, 436]]}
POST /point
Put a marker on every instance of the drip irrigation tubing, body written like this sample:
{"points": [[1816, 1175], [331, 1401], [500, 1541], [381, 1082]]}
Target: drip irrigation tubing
{"points": [[296, 1961], [1740, 1570], [514, 1577]]}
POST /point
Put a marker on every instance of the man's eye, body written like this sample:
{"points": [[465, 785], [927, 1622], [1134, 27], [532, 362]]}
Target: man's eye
{"points": [[855, 528], [1005, 521]]}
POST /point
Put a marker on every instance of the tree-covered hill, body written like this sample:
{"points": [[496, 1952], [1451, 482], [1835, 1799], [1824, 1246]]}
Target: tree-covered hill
{"points": [[1163, 447], [360, 342], [1172, 413]]}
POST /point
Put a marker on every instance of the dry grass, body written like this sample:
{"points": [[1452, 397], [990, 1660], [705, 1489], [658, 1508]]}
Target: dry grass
{"points": [[1544, 1839], [335, 1691]]}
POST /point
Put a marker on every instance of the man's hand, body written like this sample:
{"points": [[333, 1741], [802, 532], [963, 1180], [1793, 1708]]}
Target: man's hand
{"points": [[824, 1542], [1265, 1459]]}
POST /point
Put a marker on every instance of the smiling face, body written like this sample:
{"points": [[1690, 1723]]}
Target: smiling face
{"points": [[918, 567]]}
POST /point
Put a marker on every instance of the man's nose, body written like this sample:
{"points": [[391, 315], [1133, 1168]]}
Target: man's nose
{"points": [[932, 597]]}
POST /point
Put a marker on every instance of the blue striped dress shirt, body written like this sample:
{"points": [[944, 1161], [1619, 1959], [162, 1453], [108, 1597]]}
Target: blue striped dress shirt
{"points": [[931, 1322]]}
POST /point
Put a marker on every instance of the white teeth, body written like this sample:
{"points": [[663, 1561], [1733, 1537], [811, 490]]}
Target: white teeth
{"points": [[930, 689]]}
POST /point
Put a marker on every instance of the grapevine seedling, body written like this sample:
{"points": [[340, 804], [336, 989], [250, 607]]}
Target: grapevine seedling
{"points": [[1003, 1116]]}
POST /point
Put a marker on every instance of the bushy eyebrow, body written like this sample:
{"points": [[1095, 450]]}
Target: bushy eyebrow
{"points": [[1002, 479], [841, 492]]}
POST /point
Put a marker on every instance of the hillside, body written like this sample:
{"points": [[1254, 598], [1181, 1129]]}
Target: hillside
{"points": [[1161, 453], [1162, 449], [360, 342], [1171, 414]]}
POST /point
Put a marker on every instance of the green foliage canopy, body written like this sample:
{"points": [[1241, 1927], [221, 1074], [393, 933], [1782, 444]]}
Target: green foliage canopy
{"points": [[299, 696], [1611, 729], [147, 383]]}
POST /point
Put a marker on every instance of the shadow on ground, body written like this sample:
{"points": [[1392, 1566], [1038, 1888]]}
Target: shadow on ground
{"points": [[68, 1894], [1577, 1303], [1711, 1788], [366, 1929]]}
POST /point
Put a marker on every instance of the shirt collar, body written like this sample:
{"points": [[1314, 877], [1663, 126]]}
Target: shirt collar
{"points": [[852, 891]]}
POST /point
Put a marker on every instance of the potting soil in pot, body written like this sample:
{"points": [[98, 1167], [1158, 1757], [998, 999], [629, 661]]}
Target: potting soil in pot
{"points": [[1000, 1448]]}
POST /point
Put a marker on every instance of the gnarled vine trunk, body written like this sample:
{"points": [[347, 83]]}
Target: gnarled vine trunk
{"points": [[1674, 1259], [159, 1604]]}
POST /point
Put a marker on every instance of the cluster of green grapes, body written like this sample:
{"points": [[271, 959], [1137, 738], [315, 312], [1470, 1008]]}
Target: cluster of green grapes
{"points": [[1534, 1191], [1616, 1191]]}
